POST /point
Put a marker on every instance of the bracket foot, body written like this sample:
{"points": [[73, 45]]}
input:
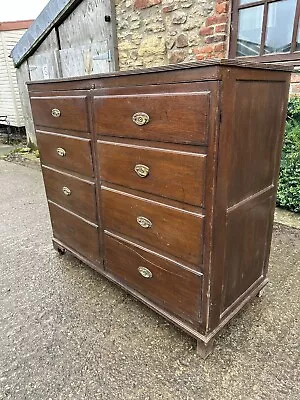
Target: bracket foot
{"points": [[205, 349], [59, 249]]}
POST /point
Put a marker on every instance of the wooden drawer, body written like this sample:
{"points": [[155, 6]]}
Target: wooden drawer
{"points": [[174, 174], [66, 152], [174, 288], [173, 231], [71, 114], [75, 232], [176, 113], [78, 195]]}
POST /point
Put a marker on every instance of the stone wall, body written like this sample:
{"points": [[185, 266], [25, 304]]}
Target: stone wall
{"points": [[161, 32]]}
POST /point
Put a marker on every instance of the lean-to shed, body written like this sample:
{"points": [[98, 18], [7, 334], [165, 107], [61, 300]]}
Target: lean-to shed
{"points": [[69, 38], [10, 103]]}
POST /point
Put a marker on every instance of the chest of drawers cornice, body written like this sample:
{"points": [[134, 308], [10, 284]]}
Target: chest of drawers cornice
{"points": [[164, 180]]}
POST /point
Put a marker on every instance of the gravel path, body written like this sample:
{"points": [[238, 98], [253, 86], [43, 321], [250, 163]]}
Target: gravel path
{"points": [[67, 333]]}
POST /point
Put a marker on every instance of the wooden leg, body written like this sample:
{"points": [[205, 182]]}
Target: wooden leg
{"points": [[59, 249], [205, 349], [260, 293]]}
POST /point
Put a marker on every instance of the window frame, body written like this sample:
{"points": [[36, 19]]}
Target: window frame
{"points": [[293, 56]]}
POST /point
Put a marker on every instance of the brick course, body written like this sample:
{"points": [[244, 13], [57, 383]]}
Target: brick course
{"points": [[141, 4], [214, 26]]}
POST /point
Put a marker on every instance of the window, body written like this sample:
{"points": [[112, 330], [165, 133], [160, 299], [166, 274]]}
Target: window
{"points": [[266, 29]]}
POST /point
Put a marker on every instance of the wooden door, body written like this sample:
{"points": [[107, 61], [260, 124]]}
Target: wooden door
{"points": [[87, 39]]}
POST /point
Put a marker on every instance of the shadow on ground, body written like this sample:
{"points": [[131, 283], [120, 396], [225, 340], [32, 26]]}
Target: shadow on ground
{"points": [[67, 333]]}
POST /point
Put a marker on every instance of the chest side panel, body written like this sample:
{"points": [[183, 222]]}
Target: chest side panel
{"points": [[254, 109]]}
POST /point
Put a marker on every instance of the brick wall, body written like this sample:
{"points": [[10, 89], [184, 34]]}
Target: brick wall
{"points": [[295, 84], [160, 32]]}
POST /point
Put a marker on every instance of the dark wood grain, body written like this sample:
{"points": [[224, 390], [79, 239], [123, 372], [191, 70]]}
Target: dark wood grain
{"points": [[75, 232], [176, 289], [125, 79], [73, 112], [254, 137], [78, 155], [174, 174], [199, 66], [175, 116], [174, 231], [253, 115], [81, 199], [246, 249], [213, 150]]}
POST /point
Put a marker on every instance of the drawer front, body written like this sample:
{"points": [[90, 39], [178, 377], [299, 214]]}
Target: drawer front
{"points": [[165, 283], [64, 112], [66, 152], [76, 194], [171, 230], [168, 117], [173, 174], [75, 232]]}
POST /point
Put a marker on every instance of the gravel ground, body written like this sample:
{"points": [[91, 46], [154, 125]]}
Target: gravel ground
{"points": [[67, 333]]}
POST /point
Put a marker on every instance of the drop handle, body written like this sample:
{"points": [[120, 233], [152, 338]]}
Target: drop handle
{"points": [[55, 112], [141, 118], [144, 222], [142, 170], [66, 191], [61, 152], [145, 272]]}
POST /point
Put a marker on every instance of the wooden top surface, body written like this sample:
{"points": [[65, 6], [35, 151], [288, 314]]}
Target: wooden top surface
{"points": [[172, 67]]}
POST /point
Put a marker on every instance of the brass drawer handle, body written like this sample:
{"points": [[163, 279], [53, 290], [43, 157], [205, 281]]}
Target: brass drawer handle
{"points": [[145, 272], [144, 222], [142, 170], [140, 118], [55, 112], [61, 152], [66, 191]]}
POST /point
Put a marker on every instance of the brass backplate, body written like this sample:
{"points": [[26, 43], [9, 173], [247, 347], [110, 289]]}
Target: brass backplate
{"points": [[66, 191], [142, 170], [55, 112], [140, 118], [61, 152], [144, 222], [145, 272]]}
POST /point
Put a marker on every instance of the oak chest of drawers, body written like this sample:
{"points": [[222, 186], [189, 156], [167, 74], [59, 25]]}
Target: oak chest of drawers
{"points": [[164, 180]]}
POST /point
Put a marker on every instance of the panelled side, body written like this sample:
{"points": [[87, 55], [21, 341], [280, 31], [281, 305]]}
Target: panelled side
{"points": [[248, 171]]}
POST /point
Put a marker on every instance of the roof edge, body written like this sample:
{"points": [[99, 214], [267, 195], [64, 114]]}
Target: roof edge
{"points": [[50, 16], [15, 25]]}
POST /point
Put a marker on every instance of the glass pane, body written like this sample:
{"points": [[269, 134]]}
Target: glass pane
{"points": [[280, 24], [249, 31], [247, 1]]}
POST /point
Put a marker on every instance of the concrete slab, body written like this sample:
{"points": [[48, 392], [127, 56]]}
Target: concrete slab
{"points": [[286, 217], [67, 333]]}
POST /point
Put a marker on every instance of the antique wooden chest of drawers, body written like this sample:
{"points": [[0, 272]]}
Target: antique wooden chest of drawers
{"points": [[164, 180]]}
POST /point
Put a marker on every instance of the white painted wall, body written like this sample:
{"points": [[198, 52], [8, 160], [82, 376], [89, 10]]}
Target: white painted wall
{"points": [[10, 103]]}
